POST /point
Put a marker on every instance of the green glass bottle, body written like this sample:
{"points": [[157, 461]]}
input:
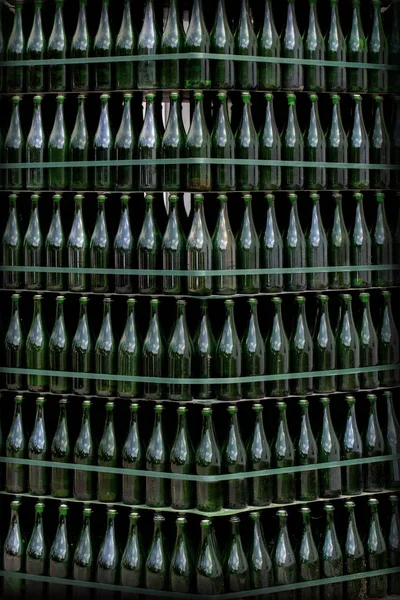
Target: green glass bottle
{"points": [[379, 143], [259, 459], [129, 352], [173, 249], [197, 71], [14, 145], [16, 51], [59, 350], [14, 346], [35, 149], [236, 567], [315, 148], [307, 454], [248, 250], [38, 450], [337, 148], [354, 555], [317, 248], [336, 50], [324, 349], [352, 448], [180, 353], [359, 149], [394, 48], [100, 249], [57, 49], [348, 348], [209, 573], [308, 558], [382, 245], [83, 559], [149, 145], [148, 44], [301, 351], [84, 454], [357, 52], [247, 147], [378, 52], [172, 145], [132, 560], [107, 456], [234, 460], [199, 250], [246, 45], [223, 145], [253, 354], [182, 461], [33, 247], [124, 243], [37, 348], [260, 564], [156, 575], [80, 48], [293, 148], [79, 149], [395, 139], [224, 251], [182, 568], [102, 48], [36, 554], [14, 554], [331, 556], [330, 480], [270, 146], [60, 483], [314, 49], [368, 345], [228, 356], [339, 247], [198, 145], [393, 544], [132, 458], [125, 45], [222, 42], [392, 443], [35, 50], [104, 352], [377, 555], [283, 456], [277, 352], [125, 148], [396, 240], [154, 354], [55, 248], [157, 459], [361, 246], [82, 350], [271, 249], [292, 47], [388, 342], [108, 557], [15, 447], [208, 462], [102, 146], [204, 354], [284, 559], [58, 149], [269, 45], [148, 250], [172, 42], [373, 445]]}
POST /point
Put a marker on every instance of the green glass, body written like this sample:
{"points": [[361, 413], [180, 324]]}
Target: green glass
{"points": [[16, 51], [198, 145], [270, 146], [156, 575], [124, 243], [209, 495], [100, 249], [224, 251], [36, 554], [37, 348], [59, 350], [283, 455], [339, 247], [348, 348], [246, 45], [209, 573], [15, 447], [394, 48], [108, 557], [361, 246], [392, 443], [57, 49], [103, 146], [80, 48], [260, 564], [269, 45], [33, 247], [259, 459], [182, 461], [129, 353], [247, 147], [172, 42], [14, 346], [84, 558], [157, 459], [271, 249], [38, 450], [330, 480], [379, 143], [248, 250], [228, 356], [336, 50], [1, 53], [82, 350], [105, 353], [154, 355], [293, 148], [354, 555], [125, 148], [125, 45], [277, 352], [377, 555], [308, 558], [253, 354], [331, 556], [314, 48], [234, 460], [35, 149], [180, 354], [84, 454], [307, 454], [55, 248], [172, 145], [182, 568], [315, 148], [148, 250], [107, 456], [388, 342], [222, 42], [337, 148], [197, 71], [283, 559], [352, 448], [173, 248], [368, 345], [324, 349], [382, 245], [235, 566], [357, 52], [317, 248], [14, 554], [395, 139], [60, 482], [301, 351], [359, 149], [373, 445], [223, 146], [396, 240], [132, 458], [58, 149], [148, 44], [393, 544], [14, 145], [132, 560], [79, 149], [199, 251], [292, 47], [35, 50], [149, 146], [378, 52], [102, 48], [204, 354]]}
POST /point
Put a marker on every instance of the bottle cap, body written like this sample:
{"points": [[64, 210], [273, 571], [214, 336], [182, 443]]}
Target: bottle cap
{"points": [[105, 98], [246, 97], [357, 98], [101, 199], [270, 198], [371, 398], [198, 96], [128, 96], [111, 512], [158, 408], [386, 293], [292, 198], [291, 98], [351, 401], [60, 299], [378, 99], [40, 401], [131, 302], [134, 407], [87, 511], [335, 99], [281, 513], [276, 300], [37, 297], [124, 199], [323, 299], [314, 197], [83, 300], [78, 198], [174, 95], [198, 198], [254, 515], [60, 99], [269, 97], [15, 504], [181, 410], [63, 509], [63, 402], [229, 303], [149, 198], [154, 302], [313, 97], [329, 508], [300, 300], [232, 410], [281, 406], [35, 197], [18, 399], [388, 395], [222, 95], [305, 510], [222, 198], [16, 99], [15, 297], [252, 301], [303, 402], [86, 404], [394, 500], [110, 406], [325, 401], [181, 520], [380, 197], [373, 502], [39, 507], [207, 410], [364, 297], [181, 302], [346, 298], [158, 517], [350, 505], [358, 196], [81, 98], [107, 300], [134, 516], [337, 197], [205, 523], [247, 198], [234, 519], [257, 407], [57, 198], [13, 197], [37, 99], [173, 198]]}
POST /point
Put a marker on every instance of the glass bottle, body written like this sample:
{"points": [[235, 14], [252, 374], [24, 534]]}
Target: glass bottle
{"points": [[148, 44], [253, 354], [247, 147], [173, 144], [330, 480], [259, 459], [14, 146], [359, 149], [308, 558], [209, 573], [361, 246], [236, 566], [392, 443], [16, 51], [197, 71], [60, 450], [270, 145], [271, 249], [14, 554], [104, 352], [149, 145], [339, 247], [234, 460], [58, 149], [35, 149], [15, 447], [198, 145], [107, 456], [172, 42], [283, 558], [173, 248], [283, 456], [208, 462], [199, 251], [100, 249], [125, 147], [102, 48], [351, 448], [204, 354], [293, 147], [307, 454], [379, 143], [129, 352], [354, 555], [277, 352], [132, 560], [59, 350], [182, 568], [82, 350], [228, 356], [132, 458], [33, 247], [292, 47], [388, 342], [182, 461], [84, 558], [84, 454], [108, 558], [315, 147], [395, 139], [37, 348], [148, 250], [157, 459], [368, 345], [102, 146], [79, 149], [125, 45], [154, 354], [222, 42], [394, 48], [248, 250], [260, 564], [55, 248], [348, 348], [246, 45], [382, 245], [35, 50], [180, 353], [377, 555], [269, 45], [336, 51], [324, 349], [59, 555], [357, 52], [378, 52], [124, 243], [393, 544], [301, 351], [57, 49], [224, 251], [157, 562], [337, 148], [80, 48], [223, 145], [332, 557], [373, 445], [38, 450], [314, 48], [36, 554], [14, 346]]}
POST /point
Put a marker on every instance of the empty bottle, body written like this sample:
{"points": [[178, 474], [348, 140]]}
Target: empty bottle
{"points": [[283, 558], [354, 555], [247, 147], [180, 353], [148, 249], [61, 452], [132, 458], [329, 451], [376, 551], [57, 49], [80, 48], [357, 52], [14, 145], [392, 443], [393, 544], [315, 148], [307, 454], [100, 249], [223, 146], [59, 555], [104, 353], [271, 249], [388, 342], [222, 42], [154, 355], [378, 52], [314, 48], [35, 149], [209, 573], [79, 149], [182, 461], [16, 51], [148, 44], [37, 348], [361, 246], [59, 350], [157, 562], [368, 345], [149, 145], [337, 148], [172, 145], [55, 248], [197, 70], [208, 462], [259, 459], [83, 559], [270, 146], [382, 245], [224, 251], [102, 48], [234, 460], [379, 143], [125, 45], [308, 558], [129, 352], [157, 459], [173, 248], [84, 454], [352, 448], [348, 348], [277, 352], [260, 564], [246, 45], [301, 351], [172, 42], [339, 248], [125, 147], [199, 251], [108, 557], [292, 47], [82, 350], [103, 146], [332, 557], [33, 247], [36, 553], [358, 149], [293, 147], [38, 450], [269, 45], [248, 250], [14, 554], [324, 349], [336, 51], [124, 243], [373, 445], [253, 355], [236, 567], [283, 456], [182, 568], [35, 50], [107, 456], [198, 145], [132, 560], [15, 447], [58, 149], [228, 356], [14, 346]]}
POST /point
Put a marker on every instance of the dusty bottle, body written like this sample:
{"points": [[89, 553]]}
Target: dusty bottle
{"points": [[329, 451], [382, 245], [38, 450], [388, 342], [253, 354], [236, 566], [125, 45], [182, 461], [103, 146], [354, 555], [222, 42], [35, 149], [99, 252], [361, 246], [197, 71], [108, 557], [105, 353], [293, 148], [331, 555], [16, 51], [58, 149], [59, 350], [259, 459], [277, 352], [368, 345], [246, 45], [149, 145], [336, 50], [376, 551], [284, 559], [315, 148], [14, 145], [339, 248], [301, 351], [180, 355], [172, 145], [37, 348], [36, 552], [292, 47], [35, 50], [379, 143], [314, 48], [182, 568], [393, 544], [83, 559], [198, 145], [357, 52], [324, 349], [308, 558], [15, 447], [79, 149], [260, 564], [228, 356], [271, 249], [223, 146], [208, 462], [129, 352], [156, 566], [234, 460], [60, 482], [172, 42], [125, 148], [107, 456], [209, 573], [199, 251], [337, 148], [173, 248], [392, 443], [270, 146], [14, 553], [55, 248], [283, 456], [269, 45], [148, 43], [80, 48], [82, 350], [248, 250], [57, 49], [307, 454], [132, 458], [224, 250], [33, 247], [373, 445], [148, 250], [14, 346], [378, 52], [132, 560], [348, 347], [154, 354], [124, 244], [157, 455], [352, 448], [84, 454], [103, 47], [359, 149], [247, 147]]}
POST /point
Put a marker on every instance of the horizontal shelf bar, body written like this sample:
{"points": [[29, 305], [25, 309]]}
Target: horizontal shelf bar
{"points": [[187, 92], [177, 192]]}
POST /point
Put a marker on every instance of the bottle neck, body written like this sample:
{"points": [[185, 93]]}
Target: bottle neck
{"points": [[132, 528], [106, 311], [110, 525], [154, 312], [39, 413], [85, 415], [59, 312], [38, 519], [109, 418], [37, 308], [83, 311], [78, 207], [15, 308]]}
